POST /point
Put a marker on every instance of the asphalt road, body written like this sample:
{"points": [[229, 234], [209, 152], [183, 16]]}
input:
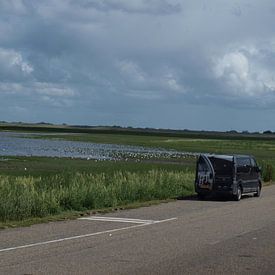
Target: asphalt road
{"points": [[182, 237]]}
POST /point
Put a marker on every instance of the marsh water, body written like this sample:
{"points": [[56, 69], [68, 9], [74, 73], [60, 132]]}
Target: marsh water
{"points": [[30, 144]]}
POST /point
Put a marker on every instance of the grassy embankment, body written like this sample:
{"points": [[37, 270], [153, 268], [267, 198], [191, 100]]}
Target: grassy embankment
{"points": [[38, 187], [26, 197]]}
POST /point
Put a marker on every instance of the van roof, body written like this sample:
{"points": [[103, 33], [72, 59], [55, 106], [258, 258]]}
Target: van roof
{"points": [[226, 157]]}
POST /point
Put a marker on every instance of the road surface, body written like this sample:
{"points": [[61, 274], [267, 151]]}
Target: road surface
{"points": [[182, 237]]}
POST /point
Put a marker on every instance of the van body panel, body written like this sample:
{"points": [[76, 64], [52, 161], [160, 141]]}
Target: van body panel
{"points": [[204, 175], [222, 174]]}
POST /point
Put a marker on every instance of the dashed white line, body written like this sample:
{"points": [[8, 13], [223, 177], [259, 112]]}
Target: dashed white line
{"points": [[81, 236], [113, 219]]}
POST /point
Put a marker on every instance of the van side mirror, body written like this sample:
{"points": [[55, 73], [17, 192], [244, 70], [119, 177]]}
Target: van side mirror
{"points": [[259, 169]]}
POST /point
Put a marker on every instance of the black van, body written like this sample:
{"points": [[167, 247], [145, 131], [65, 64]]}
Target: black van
{"points": [[228, 175]]}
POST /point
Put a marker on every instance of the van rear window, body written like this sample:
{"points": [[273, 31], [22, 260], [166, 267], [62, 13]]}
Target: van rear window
{"points": [[222, 166], [203, 167], [243, 161]]}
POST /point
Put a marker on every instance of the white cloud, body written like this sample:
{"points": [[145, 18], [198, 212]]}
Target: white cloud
{"points": [[11, 60], [57, 102], [10, 88], [14, 6], [235, 63], [141, 83], [131, 70], [234, 69], [172, 83], [52, 89], [135, 6], [245, 72], [40, 88]]}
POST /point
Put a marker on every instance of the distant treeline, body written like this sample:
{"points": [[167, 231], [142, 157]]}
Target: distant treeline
{"points": [[64, 128]]}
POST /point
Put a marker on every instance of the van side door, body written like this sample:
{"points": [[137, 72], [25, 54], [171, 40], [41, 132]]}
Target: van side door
{"points": [[204, 174], [254, 174], [244, 173]]}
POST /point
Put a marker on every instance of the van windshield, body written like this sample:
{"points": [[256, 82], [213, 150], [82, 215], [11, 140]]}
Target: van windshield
{"points": [[222, 166]]}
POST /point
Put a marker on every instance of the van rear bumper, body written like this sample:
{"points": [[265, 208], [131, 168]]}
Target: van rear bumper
{"points": [[223, 188], [218, 190]]}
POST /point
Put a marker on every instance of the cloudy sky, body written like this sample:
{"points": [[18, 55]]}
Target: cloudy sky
{"points": [[204, 64]]}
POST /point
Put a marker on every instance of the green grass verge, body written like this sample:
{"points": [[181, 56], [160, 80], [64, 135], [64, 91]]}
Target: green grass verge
{"points": [[70, 214], [23, 198]]}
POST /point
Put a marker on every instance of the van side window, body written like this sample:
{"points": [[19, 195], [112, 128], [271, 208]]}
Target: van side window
{"points": [[243, 162]]}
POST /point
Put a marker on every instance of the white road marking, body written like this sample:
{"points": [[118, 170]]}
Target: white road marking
{"points": [[235, 236], [113, 219], [82, 236]]}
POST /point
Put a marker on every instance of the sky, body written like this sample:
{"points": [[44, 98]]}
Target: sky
{"points": [[202, 65]]}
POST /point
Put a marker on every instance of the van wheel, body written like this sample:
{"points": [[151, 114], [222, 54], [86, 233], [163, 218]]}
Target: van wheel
{"points": [[238, 196], [258, 192], [201, 196]]}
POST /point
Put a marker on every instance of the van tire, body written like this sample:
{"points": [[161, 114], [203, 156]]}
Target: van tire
{"points": [[201, 196], [238, 196], [258, 192]]}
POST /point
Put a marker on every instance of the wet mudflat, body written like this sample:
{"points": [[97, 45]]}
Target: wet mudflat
{"points": [[25, 144]]}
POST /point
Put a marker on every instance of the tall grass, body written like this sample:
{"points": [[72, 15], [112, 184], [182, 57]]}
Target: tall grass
{"points": [[26, 197], [268, 171]]}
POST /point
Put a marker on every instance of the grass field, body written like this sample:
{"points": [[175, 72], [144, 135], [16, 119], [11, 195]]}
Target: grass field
{"points": [[44, 167], [32, 187]]}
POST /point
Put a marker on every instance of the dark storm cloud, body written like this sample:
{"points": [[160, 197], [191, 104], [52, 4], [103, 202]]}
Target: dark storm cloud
{"points": [[109, 61]]}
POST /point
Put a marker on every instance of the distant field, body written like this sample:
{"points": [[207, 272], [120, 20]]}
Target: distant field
{"points": [[259, 148], [48, 128], [263, 148], [259, 145]]}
